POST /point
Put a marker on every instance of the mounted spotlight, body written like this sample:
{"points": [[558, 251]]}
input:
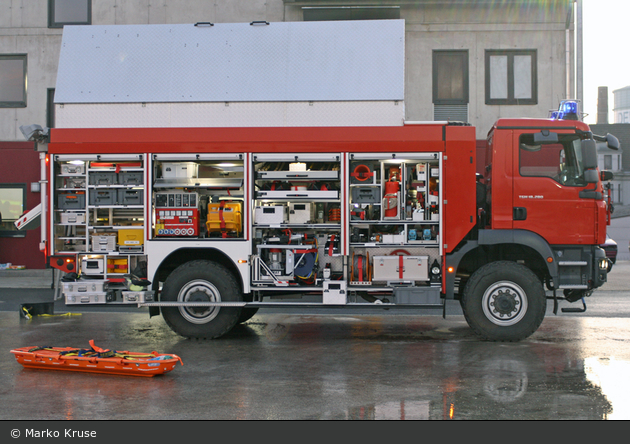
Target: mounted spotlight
{"points": [[35, 133]]}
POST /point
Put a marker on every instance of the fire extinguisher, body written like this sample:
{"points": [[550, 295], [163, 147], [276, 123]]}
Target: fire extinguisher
{"points": [[390, 199]]}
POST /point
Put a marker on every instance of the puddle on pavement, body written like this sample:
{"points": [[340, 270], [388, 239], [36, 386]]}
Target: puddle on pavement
{"points": [[611, 376]]}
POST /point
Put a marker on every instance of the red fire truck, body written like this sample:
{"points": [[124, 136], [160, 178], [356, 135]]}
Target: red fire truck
{"points": [[208, 222]]}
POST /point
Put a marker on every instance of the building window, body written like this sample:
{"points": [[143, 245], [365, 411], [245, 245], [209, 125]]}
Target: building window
{"points": [[351, 13], [607, 161], [511, 77], [450, 77], [13, 81], [12, 206], [69, 12], [450, 85]]}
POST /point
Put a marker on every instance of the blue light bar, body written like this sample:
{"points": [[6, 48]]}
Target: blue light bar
{"points": [[568, 110]]}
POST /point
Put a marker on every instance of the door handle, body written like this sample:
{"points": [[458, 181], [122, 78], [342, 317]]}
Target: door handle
{"points": [[519, 213]]}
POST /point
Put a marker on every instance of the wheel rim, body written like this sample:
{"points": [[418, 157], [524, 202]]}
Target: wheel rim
{"points": [[504, 303], [199, 291]]}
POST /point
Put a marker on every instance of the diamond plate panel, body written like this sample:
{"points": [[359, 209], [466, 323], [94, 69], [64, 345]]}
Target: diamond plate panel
{"points": [[284, 61]]}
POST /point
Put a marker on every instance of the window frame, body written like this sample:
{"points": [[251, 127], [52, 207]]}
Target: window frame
{"points": [[52, 23], [511, 53], [21, 103], [14, 232], [435, 77]]}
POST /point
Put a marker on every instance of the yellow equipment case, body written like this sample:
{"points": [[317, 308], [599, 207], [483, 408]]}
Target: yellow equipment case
{"points": [[225, 217]]}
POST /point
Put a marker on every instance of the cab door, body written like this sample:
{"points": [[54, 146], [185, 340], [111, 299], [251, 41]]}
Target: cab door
{"points": [[548, 179]]}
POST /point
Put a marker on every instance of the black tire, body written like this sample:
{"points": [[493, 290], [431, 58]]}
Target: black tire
{"points": [[247, 314], [504, 301], [203, 281]]}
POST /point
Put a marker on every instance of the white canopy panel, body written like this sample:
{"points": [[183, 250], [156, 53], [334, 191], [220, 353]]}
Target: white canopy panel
{"points": [[232, 62]]}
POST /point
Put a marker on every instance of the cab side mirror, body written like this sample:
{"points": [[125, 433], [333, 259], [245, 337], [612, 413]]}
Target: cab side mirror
{"points": [[606, 175], [591, 176], [612, 142]]}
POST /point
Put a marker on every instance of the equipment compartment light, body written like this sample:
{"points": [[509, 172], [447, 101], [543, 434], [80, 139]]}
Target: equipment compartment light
{"points": [[435, 271]]}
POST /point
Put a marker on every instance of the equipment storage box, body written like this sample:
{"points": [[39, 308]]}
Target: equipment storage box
{"points": [[134, 297], [131, 237], [418, 295], [172, 170], [92, 298], [396, 268], [130, 197], [104, 242], [335, 292], [270, 215], [72, 218], [105, 178], [102, 197], [366, 195], [85, 286], [117, 265], [93, 266], [68, 168], [71, 201], [224, 217], [130, 178], [300, 213]]}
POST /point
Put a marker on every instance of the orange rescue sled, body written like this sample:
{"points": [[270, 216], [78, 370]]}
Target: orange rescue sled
{"points": [[96, 360]]}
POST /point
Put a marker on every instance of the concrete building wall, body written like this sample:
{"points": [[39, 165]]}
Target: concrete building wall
{"points": [[475, 27]]}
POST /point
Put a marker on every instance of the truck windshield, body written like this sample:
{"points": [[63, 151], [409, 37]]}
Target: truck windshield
{"points": [[560, 161]]}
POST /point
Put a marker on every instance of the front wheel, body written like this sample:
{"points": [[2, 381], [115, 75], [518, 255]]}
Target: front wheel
{"points": [[201, 281], [504, 301]]}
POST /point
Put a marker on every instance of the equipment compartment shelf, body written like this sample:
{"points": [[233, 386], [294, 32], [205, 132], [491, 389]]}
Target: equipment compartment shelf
{"points": [[297, 175], [195, 182], [293, 194]]}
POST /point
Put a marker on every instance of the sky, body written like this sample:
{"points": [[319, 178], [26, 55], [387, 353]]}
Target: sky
{"points": [[606, 34]]}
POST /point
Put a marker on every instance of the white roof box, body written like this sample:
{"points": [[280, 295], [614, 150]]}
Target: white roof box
{"points": [[232, 62]]}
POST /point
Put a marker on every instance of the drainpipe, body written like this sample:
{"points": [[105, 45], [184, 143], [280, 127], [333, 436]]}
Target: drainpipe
{"points": [[43, 188], [579, 55]]}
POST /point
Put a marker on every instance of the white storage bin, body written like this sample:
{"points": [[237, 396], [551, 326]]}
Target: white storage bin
{"points": [[70, 168], [392, 268], [93, 266], [73, 218], [270, 215], [104, 243], [172, 170]]}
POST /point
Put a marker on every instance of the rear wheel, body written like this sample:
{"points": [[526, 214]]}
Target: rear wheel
{"points": [[504, 301], [247, 314], [201, 281]]}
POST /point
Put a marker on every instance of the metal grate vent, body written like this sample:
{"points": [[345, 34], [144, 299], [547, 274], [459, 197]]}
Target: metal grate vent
{"points": [[453, 113]]}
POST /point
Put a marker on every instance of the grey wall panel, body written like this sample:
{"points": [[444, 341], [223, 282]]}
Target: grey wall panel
{"points": [[228, 62]]}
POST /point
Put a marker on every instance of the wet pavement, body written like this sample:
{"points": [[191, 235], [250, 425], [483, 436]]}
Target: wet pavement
{"points": [[342, 366]]}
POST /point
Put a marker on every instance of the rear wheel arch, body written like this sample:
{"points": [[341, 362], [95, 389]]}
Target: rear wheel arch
{"points": [[184, 255]]}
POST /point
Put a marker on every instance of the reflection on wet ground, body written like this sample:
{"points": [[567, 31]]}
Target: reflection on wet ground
{"points": [[279, 366]]}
